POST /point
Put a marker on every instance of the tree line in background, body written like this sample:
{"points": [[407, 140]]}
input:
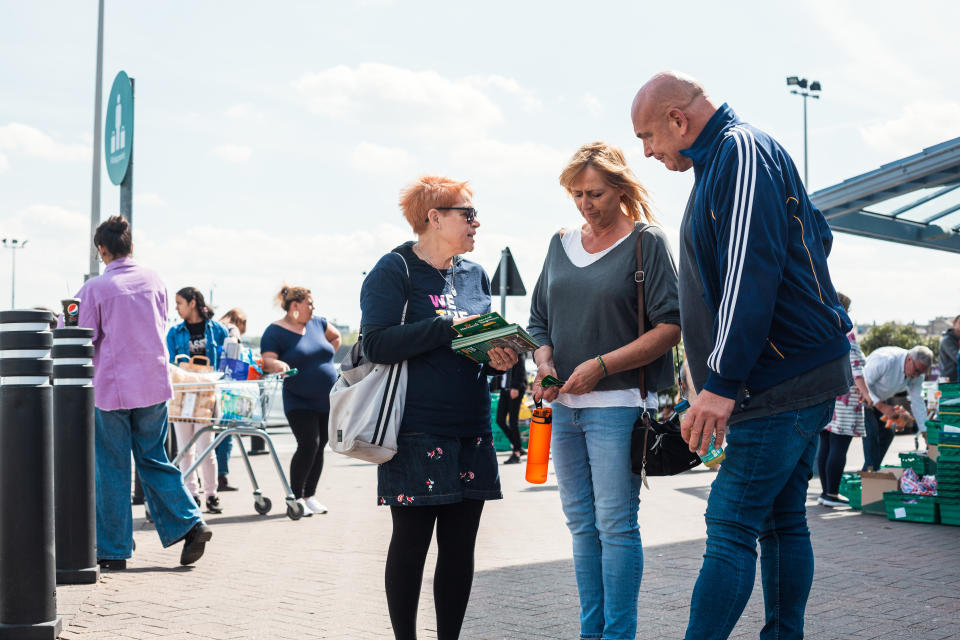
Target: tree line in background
{"points": [[894, 334]]}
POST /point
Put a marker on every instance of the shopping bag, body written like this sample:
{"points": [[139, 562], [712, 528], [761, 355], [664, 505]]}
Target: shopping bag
{"points": [[234, 369], [194, 390], [366, 404]]}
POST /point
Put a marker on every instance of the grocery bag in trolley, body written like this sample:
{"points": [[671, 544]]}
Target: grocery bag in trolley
{"points": [[240, 402], [195, 395]]}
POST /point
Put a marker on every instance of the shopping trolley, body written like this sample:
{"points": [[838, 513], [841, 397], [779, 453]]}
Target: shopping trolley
{"points": [[236, 408]]}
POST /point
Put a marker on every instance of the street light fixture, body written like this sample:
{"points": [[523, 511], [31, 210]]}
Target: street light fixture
{"points": [[13, 244], [807, 90]]}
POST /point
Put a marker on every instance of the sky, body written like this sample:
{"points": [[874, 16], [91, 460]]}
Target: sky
{"points": [[272, 139]]}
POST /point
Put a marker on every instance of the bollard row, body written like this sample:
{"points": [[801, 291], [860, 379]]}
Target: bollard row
{"points": [[28, 600]]}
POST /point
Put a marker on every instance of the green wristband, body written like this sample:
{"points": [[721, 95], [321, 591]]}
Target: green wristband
{"points": [[602, 365]]}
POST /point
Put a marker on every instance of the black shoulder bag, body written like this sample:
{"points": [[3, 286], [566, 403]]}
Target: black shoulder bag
{"points": [[656, 448]]}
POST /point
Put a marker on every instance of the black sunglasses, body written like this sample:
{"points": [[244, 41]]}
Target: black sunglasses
{"points": [[468, 213]]}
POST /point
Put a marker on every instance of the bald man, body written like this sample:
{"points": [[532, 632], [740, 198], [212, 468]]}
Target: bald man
{"points": [[765, 340]]}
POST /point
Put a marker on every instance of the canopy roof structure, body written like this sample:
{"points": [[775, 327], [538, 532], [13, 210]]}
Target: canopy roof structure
{"points": [[915, 200]]}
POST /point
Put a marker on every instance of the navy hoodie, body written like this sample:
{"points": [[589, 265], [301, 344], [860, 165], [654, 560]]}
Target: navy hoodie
{"points": [[761, 250]]}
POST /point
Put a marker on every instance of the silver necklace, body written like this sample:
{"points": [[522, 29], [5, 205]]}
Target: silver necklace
{"points": [[453, 269]]}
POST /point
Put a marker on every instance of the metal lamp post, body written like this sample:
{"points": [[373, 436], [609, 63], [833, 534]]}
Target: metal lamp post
{"points": [[13, 244], [806, 89]]}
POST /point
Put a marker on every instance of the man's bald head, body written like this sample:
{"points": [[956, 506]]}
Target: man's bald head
{"points": [[669, 89], [668, 114]]}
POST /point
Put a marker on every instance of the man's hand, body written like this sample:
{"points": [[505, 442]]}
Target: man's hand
{"points": [[550, 393], [514, 393], [584, 378], [887, 410], [708, 415]]}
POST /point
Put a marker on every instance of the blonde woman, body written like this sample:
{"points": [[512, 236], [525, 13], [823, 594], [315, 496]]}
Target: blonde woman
{"points": [[584, 314]]}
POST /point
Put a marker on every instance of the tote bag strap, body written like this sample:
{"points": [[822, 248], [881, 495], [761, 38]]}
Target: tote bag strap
{"points": [[406, 268], [638, 277]]}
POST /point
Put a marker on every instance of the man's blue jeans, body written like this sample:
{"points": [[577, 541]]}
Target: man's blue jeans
{"points": [[600, 497], [144, 432], [877, 440], [760, 493]]}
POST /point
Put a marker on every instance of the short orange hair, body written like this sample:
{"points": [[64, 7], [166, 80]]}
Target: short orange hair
{"points": [[429, 192]]}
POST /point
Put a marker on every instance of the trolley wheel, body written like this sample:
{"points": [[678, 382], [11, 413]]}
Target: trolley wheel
{"points": [[295, 511], [263, 505]]}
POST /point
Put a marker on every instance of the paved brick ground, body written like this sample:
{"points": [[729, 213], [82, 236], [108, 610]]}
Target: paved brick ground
{"points": [[321, 577]]}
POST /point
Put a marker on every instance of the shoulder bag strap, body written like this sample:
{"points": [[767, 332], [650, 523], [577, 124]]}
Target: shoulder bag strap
{"points": [[638, 277], [403, 316]]}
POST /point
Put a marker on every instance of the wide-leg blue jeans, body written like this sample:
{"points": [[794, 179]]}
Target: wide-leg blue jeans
{"points": [[760, 493], [600, 497], [143, 432]]}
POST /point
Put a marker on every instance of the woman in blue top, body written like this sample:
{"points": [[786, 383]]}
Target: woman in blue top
{"points": [[198, 335], [445, 466], [307, 343]]}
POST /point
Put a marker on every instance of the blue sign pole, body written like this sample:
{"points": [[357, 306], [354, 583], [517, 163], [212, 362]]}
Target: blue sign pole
{"points": [[126, 187]]}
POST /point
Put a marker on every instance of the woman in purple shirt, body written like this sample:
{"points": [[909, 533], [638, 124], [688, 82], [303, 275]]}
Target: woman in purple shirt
{"points": [[127, 309]]}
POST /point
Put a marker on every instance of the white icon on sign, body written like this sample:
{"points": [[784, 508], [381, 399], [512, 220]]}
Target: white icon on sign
{"points": [[118, 137]]}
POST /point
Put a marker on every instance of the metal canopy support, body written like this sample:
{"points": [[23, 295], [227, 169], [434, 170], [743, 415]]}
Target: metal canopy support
{"points": [[925, 199], [844, 204]]}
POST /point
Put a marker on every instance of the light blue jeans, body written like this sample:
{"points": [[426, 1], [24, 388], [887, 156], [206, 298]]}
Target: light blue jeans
{"points": [[600, 497], [144, 432]]}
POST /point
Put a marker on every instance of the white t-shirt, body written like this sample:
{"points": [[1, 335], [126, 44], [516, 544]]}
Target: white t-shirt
{"points": [[573, 246]]}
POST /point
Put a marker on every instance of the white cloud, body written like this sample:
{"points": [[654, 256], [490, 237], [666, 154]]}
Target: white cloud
{"points": [[503, 158], [377, 159], [25, 140], [4, 163], [244, 111], [427, 103], [919, 125], [234, 153], [528, 99], [592, 104], [148, 199]]}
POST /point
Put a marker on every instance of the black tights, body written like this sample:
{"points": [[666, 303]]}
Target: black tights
{"points": [[456, 535], [832, 458], [310, 430]]}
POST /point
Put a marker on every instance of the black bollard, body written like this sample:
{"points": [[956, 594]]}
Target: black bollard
{"points": [[74, 485], [28, 596]]}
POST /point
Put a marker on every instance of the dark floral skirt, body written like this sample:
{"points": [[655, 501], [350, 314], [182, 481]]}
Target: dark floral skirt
{"points": [[430, 470]]}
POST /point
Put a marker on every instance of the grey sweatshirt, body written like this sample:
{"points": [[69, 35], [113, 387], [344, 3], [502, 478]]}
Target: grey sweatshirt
{"points": [[587, 311]]}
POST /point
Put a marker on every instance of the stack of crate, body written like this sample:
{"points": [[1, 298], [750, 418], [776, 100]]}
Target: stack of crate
{"points": [[948, 455]]}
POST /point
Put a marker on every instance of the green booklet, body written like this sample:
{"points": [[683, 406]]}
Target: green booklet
{"points": [[490, 330]]}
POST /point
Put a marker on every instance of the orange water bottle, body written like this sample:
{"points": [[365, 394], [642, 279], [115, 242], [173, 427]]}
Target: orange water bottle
{"points": [[538, 448]]}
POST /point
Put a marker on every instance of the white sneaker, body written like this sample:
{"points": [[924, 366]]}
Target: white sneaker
{"points": [[834, 502], [307, 512], [315, 505]]}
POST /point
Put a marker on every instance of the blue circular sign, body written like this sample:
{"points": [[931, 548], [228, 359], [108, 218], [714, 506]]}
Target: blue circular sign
{"points": [[118, 129]]}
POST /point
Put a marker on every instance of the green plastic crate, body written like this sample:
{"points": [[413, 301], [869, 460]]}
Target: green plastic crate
{"points": [[934, 427], [910, 508], [851, 488], [949, 511], [920, 462]]}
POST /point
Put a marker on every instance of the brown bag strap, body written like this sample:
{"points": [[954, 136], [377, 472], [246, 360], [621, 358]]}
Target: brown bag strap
{"points": [[638, 277]]}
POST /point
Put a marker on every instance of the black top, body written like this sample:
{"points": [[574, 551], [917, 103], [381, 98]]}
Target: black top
{"points": [[447, 394], [311, 354], [198, 338]]}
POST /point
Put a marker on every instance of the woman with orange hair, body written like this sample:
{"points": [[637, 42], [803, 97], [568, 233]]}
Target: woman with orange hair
{"points": [[445, 466], [584, 315]]}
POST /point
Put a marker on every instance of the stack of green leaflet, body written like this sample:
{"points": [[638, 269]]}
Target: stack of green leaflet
{"points": [[490, 330]]}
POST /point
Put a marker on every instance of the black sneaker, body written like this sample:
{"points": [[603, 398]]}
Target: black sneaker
{"points": [[213, 505], [197, 500], [111, 565], [513, 459], [194, 543]]}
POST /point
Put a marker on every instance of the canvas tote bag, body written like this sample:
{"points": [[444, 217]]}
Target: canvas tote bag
{"points": [[366, 403]]}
